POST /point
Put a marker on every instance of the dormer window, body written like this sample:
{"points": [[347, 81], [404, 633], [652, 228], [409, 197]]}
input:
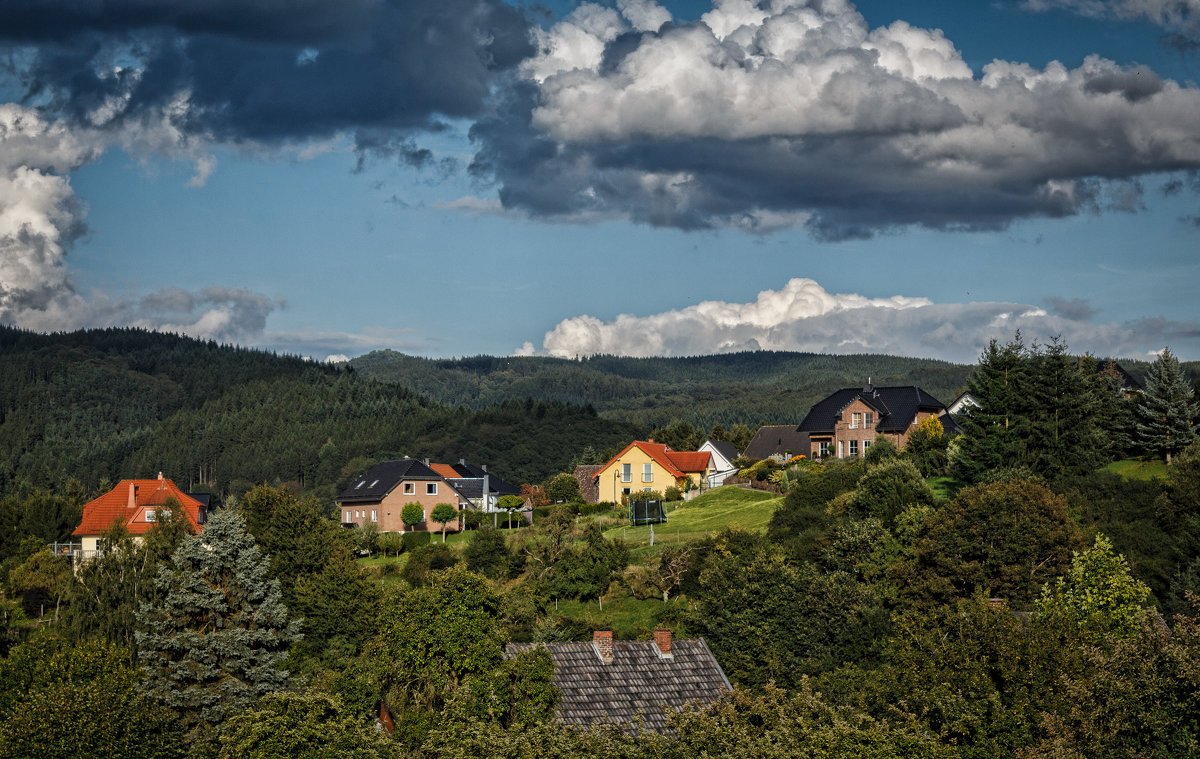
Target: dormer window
{"points": [[152, 514]]}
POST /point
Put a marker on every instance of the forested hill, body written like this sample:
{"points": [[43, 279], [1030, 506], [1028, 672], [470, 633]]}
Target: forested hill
{"points": [[101, 405], [763, 387]]}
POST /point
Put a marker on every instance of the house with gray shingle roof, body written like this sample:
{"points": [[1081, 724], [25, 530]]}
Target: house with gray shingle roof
{"points": [[847, 422], [618, 683]]}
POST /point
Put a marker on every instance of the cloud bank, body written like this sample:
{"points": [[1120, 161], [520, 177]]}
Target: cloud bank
{"points": [[797, 112], [802, 316]]}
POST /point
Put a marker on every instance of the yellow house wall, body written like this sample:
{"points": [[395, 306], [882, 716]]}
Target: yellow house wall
{"points": [[611, 488]]}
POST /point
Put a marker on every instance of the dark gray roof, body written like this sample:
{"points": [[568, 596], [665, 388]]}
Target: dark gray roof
{"points": [[896, 407], [496, 484], [771, 440], [950, 425], [638, 681], [383, 477], [726, 449]]}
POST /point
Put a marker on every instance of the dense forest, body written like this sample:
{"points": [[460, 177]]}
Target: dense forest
{"points": [[764, 387], [1003, 593]]}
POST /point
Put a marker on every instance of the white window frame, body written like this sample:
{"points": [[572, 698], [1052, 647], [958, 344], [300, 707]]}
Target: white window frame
{"points": [[823, 448], [866, 445], [346, 518], [855, 419], [853, 448], [627, 473], [409, 489], [647, 472], [841, 449], [374, 515], [868, 420], [431, 488]]}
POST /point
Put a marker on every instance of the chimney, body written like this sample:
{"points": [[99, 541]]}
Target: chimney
{"points": [[132, 495], [425, 462], [995, 603], [662, 639], [868, 388], [160, 476], [602, 641], [462, 462]]}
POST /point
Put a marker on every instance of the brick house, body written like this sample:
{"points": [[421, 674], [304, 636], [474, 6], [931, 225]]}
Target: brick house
{"points": [[382, 493], [847, 422]]}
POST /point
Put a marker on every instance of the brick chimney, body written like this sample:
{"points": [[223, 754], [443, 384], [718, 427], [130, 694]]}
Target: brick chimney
{"points": [[132, 495], [602, 641], [662, 639]]}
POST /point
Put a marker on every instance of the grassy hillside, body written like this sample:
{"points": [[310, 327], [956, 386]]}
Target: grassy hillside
{"points": [[727, 506]]}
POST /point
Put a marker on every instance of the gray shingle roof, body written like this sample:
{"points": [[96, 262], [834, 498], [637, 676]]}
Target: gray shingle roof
{"points": [[896, 406], [776, 439], [638, 681], [381, 478], [496, 484], [725, 448]]}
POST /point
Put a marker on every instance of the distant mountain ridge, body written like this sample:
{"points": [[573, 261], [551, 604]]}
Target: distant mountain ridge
{"points": [[761, 387]]}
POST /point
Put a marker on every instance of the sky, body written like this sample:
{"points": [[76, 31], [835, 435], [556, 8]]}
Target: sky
{"points": [[460, 177]]}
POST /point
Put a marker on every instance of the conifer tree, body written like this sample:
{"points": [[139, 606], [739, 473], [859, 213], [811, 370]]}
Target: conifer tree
{"points": [[215, 640], [994, 431], [1167, 409]]}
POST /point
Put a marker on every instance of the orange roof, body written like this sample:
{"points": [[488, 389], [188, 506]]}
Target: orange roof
{"points": [[445, 470], [128, 503], [677, 463]]}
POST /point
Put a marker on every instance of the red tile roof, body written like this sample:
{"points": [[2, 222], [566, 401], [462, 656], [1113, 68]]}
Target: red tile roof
{"points": [[120, 505], [677, 463], [445, 470]]}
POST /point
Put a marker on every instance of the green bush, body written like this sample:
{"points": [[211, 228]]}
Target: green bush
{"points": [[472, 519], [414, 540], [673, 494], [391, 543], [425, 560]]}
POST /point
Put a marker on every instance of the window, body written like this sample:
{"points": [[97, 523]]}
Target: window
{"points": [[855, 420], [346, 517], [645, 490], [866, 445], [853, 447], [625, 491], [868, 419], [823, 448], [647, 473], [408, 488], [841, 450], [374, 515], [374, 483], [627, 473], [430, 488]]}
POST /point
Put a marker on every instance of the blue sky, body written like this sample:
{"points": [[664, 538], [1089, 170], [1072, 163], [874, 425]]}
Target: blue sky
{"points": [[635, 178]]}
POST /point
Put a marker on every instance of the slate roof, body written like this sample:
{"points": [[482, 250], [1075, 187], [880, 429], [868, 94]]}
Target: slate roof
{"points": [[497, 485], [896, 407], [638, 681], [383, 477], [585, 475], [777, 439], [726, 449], [114, 506]]}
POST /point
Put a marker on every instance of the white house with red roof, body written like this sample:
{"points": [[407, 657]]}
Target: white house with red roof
{"points": [[135, 505], [647, 465]]}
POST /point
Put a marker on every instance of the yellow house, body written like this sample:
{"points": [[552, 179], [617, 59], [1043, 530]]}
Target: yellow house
{"points": [[647, 465]]}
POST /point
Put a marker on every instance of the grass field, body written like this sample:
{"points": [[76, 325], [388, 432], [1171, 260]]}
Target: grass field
{"points": [[1137, 469], [727, 506]]}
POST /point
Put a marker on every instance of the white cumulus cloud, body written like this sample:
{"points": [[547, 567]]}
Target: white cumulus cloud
{"points": [[803, 316]]}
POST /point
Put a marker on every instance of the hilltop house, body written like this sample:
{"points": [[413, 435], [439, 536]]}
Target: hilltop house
{"points": [[382, 493], [847, 422], [723, 455], [647, 465], [136, 505], [602, 682]]}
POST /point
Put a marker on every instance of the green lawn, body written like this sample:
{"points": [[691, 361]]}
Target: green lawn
{"points": [[717, 509], [1137, 469]]}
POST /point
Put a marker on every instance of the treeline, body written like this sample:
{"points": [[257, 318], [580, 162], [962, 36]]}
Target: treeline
{"points": [[94, 407], [764, 387]]}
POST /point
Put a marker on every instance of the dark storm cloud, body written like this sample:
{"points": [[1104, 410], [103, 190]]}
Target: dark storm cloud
{"points": [[264, 70], [799, 113]]}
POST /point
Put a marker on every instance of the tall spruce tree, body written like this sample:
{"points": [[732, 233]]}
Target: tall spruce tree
{"points": [[995, 431], [215, 640], [1167, 409]]}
